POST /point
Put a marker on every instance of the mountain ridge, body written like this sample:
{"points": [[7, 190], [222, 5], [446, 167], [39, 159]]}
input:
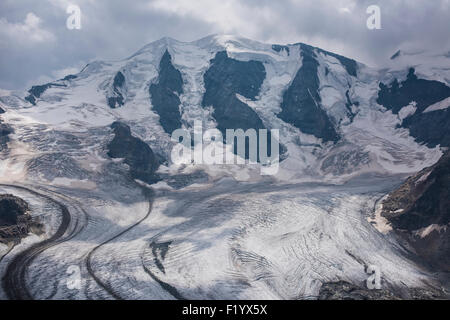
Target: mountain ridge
{"points": [[93, 145], [323, 118]]}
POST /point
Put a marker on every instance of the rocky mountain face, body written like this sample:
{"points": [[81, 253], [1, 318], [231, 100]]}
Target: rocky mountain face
{"points": [[117, 100], [349, 134], [36, 91], [301, 104], [336, 117], [136, 153], [426, 123], [420, 211], [5, 131], [225, 81], [343, 290], [11, 208], [15, 223], [165, 94]]}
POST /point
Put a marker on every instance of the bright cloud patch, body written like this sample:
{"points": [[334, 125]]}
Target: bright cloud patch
{"points": [[27, 32]]}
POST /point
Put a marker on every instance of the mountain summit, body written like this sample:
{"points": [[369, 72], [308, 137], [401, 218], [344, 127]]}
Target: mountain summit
{"points": [[336, 116], [93, 156]]}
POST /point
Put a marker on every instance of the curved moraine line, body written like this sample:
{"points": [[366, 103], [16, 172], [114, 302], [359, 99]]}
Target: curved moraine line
{"points": [[104, 285], [14, 280]]}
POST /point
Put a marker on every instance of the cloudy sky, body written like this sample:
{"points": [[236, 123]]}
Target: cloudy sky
{"points": [[36, 46]]}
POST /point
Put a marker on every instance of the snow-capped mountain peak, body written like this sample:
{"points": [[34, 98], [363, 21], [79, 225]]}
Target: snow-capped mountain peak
{"points": [[327, 107]]}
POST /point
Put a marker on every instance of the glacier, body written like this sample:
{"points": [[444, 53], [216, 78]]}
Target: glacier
{"points": [[209, 231]]}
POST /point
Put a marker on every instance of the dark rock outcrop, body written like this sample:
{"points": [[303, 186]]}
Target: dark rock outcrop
{"points": [[15, 222], [350, 65], [423, 201], [301, 105], [396, 55], [343, 290], [351, 115], [424, 92], [165, 94], [117, 99], [11, 208], [69, 77], [5, 131], [225, 78], [433, 127], [135, 152], [1, 110], [36, 91], [279, 48]]}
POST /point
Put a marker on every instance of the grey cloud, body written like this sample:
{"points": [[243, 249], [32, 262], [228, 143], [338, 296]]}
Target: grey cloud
{"points": [[113, 29]]}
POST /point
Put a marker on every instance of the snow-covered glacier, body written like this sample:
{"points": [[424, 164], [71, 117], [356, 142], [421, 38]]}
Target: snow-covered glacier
{"points": [[198, 231]]}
